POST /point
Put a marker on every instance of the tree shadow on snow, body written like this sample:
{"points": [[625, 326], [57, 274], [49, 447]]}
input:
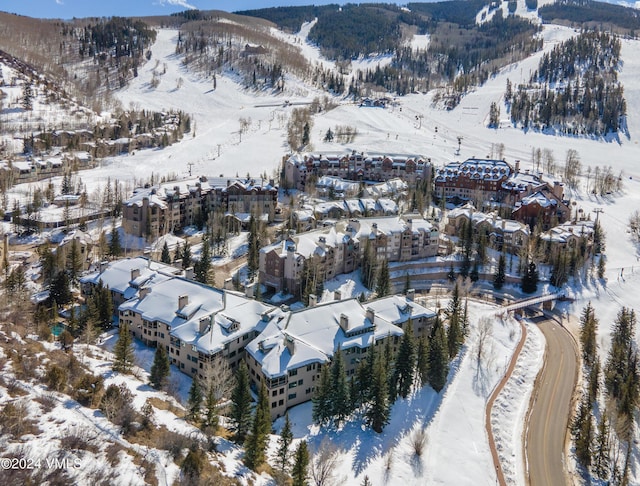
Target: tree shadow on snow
{"points": [[366, 445]]}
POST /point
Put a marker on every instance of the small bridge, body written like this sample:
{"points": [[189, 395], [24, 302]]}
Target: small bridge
{"points": [[546, 301]]}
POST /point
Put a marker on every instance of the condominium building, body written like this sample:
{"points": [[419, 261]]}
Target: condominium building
{"points": [[169, 207], [355, 166], [339, 249], [290, 352]]}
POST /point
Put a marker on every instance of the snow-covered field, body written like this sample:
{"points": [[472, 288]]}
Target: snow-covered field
{"points": [[457, 451]]}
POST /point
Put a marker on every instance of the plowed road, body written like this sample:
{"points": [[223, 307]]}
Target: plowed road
{"points": [[548, 420]]}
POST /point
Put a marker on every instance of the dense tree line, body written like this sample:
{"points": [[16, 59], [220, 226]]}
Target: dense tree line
{"points": [[357, 30], [290, 18], [603, 434], [590, 13], [116, 36], [383, 374], [459, 49], [575, 89]]}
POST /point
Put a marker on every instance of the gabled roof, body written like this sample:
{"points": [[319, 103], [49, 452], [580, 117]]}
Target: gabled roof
{"points": [[315, 333], [117, 275]]}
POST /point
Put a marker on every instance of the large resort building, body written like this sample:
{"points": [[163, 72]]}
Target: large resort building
{"points": [[355, 166], [292, 349], [166, 208], [338, 249], [286, 349]]}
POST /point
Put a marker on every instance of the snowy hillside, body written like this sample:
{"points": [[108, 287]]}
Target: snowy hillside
{"points": [[457, 451]]}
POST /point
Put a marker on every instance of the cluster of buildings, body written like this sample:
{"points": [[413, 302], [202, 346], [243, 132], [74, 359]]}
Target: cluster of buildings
{"points": [[355, 166], [166, 208], [328, 212], [30, 169], [495, 182], [284, 349], [339, 248]]}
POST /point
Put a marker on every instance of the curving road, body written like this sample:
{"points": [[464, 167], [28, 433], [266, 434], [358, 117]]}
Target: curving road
{"points": [[548, 417]]}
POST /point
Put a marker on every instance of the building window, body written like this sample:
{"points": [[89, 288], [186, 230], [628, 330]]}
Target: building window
{"points": [[274, 405], [291, 396], [293, 372]]}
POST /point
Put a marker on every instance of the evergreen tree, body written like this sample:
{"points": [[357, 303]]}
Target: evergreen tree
{"points": [[601, 267], [378, 411], [366, 481], [438, 357], [186, 255], [210, 419], [594, 381], [368, 265], [60, 289], [27, 96], [115, 246], [601, 448], [383, 284], [74, 261], [301, 465], [339, 392], [328, 137], [253, 240], [474, 275], [195, 399], [588, 330], [405, 362], [407, 283], [159, 369], [241, 402], [284, 442], [306, 134], [165, 256], [598, 238], [422, 361], [499, 277], [100, 307], [202, 266], [177, 253], [582, 428], [529, 283], [256, 443], [620, 376], [322, 407], [123, 351], [455, 336], [451, 275], [359, 389]]}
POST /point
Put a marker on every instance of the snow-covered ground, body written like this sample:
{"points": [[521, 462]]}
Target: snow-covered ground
{"points": [[457, 450]]}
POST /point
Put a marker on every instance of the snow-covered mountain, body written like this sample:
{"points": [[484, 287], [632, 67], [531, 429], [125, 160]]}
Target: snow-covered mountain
{"points": [[236, 131]]}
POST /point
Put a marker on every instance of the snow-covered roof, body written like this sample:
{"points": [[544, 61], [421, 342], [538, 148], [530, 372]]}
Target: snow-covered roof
{"points": [[315, 333], [199, 315], [338, 184], [539, 198], [120, 276], [522, 181], [398, 309], [392, 186], [485, 169], [158, 194], [80, 236], [564, 232]]}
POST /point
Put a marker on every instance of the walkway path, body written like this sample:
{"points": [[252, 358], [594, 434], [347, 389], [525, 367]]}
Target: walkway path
{"points": [[492, 398]]}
